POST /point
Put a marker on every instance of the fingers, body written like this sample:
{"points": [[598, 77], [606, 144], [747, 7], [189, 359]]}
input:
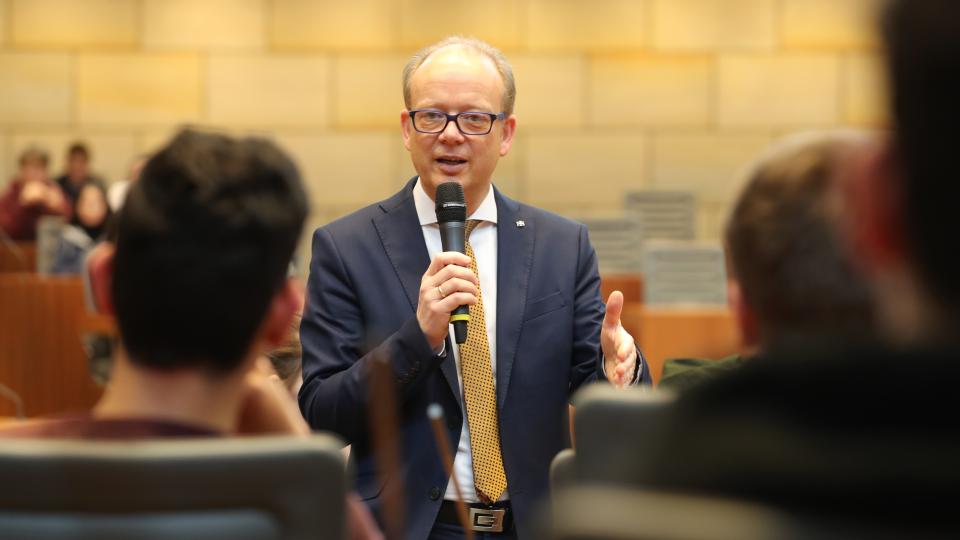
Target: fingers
{"points": [[449, 273], [614, 309], [444, 259], [447, 284]]}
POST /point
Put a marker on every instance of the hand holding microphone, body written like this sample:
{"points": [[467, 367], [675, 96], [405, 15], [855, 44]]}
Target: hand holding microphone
{"points": [[449, 286]]}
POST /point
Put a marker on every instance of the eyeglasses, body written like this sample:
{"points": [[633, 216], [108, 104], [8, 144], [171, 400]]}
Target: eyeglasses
{"points": [[469, 122]]}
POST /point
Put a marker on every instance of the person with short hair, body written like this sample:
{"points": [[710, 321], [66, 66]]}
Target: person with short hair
{"points": [[791, 276], [91, 214], [77, 173], [864, 438], [197, 280], [30, 196], [381, 287]]}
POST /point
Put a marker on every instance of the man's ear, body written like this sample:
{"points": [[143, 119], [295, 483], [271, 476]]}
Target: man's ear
{"points": [[745, 317], [99, 270], [874, 222], [509, 130], [283, 308]]}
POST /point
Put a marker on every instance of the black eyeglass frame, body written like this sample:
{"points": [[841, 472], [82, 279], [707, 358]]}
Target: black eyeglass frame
{"points": [[455, 118]]}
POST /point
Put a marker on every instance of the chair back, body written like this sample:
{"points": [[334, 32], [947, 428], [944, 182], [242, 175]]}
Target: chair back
{"points": [[607, 513], [49, 230], [615, 429], [250, 488]]}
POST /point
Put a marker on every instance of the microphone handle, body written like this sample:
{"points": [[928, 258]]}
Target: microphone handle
{"points": [[453, 238]]}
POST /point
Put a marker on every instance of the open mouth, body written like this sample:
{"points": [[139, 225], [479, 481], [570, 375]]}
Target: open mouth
{"points": [[451, 161]]}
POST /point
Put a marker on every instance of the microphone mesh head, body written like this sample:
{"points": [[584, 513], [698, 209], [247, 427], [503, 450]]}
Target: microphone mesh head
{"points": [[450, 203]]}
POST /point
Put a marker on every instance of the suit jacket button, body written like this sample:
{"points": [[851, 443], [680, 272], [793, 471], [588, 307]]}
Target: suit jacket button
{"points": [[434, 493]]}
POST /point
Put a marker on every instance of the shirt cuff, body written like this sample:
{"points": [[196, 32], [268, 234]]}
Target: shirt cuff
{"points": [[637, 369]]}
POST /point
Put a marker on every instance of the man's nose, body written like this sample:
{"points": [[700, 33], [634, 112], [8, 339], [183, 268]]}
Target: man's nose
{"points": [[451, 133]]}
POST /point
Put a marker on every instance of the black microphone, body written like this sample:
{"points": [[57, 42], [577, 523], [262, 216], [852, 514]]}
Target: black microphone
{"points": [[452, 216]]}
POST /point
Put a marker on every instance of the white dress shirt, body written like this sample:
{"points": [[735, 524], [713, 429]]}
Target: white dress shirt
{"points": [[483, 239]]}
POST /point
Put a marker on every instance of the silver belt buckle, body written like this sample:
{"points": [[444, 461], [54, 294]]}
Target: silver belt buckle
{"points": [[487, 519]]}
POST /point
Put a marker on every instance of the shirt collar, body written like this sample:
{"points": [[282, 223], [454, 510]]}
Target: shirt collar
{"points": [[426, 209]]}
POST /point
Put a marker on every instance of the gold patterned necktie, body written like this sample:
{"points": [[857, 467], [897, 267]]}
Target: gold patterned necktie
{"points": [[481, 397]]}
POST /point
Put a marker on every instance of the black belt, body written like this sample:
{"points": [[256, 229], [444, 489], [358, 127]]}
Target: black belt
{"points": [[482, 517]]}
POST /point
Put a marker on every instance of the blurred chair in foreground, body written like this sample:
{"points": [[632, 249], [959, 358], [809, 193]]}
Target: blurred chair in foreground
{"points": [[595, 513], [264, 488]]}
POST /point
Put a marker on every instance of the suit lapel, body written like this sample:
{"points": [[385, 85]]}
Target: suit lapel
{"points": [[402, 238], [514, 259]]}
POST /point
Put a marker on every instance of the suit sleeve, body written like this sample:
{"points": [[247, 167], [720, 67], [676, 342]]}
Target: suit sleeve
{"points": [[589, 310], [336, 355]]}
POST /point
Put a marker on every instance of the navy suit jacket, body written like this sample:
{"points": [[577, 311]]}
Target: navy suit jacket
{"points": [[362, 296]]}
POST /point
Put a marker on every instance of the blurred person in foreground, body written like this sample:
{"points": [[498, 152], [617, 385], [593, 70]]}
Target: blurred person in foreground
{"points": [[381, 286], [865, 436], [197, 280], [77, 173], [91, 214], [791, 277], [30, 196]]}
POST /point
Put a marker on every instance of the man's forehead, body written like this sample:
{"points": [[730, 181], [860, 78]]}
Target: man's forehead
{"points": [[457, 60]]}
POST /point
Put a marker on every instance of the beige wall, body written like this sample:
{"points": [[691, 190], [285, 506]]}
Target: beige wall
{"points": [[613, 94]]}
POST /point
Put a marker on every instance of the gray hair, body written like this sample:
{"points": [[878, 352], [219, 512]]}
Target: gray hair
{"points": [[472, 44]]}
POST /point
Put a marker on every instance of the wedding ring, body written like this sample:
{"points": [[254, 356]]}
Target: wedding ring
{"points": [[440, 290]]}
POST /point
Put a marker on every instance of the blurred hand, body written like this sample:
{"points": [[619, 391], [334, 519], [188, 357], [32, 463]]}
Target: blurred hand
{"points": [[619, 349], [447, 284], [268, 407], [54, 198], [33, 193]]}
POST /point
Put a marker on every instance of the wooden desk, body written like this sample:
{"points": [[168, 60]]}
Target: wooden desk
{"points": [[664, 333], [18, 257], [631, 285], [41, 351]]}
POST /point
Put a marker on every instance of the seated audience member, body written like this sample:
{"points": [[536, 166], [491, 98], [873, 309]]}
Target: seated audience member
{"points": [[118, 190], [30, 196], [197, 280], [791, 277], [90, 217], [866, 436], [77, 173]]}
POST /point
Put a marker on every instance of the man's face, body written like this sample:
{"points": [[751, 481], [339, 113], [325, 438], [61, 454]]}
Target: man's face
{"points": [[455, 80], [33, 171], [77, 166]]}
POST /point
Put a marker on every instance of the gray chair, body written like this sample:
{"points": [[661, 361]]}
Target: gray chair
{"points": [[606, 513], [255, 488], [614, 430], [49, 229], [562, 473]]}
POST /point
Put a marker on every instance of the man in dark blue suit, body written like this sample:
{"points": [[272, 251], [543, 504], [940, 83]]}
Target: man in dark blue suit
{"points": [[381, 287]]}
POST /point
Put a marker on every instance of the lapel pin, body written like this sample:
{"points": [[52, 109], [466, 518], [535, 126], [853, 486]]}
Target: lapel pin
{"points": [[521, 224]]}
